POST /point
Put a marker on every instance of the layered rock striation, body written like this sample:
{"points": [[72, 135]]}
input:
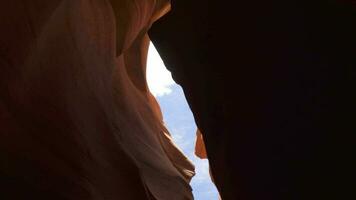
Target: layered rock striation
{"points": [[76, 118]]}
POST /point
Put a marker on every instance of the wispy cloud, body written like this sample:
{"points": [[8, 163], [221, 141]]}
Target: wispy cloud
{"points": [[158, 77], [202, 170]]}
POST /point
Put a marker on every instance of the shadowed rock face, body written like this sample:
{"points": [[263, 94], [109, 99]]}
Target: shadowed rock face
{"points": [[272, 88], [271, 85], [76, 118]]}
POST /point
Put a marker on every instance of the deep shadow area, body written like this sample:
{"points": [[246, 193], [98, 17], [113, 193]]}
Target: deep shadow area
{"points": [[272, 87]]}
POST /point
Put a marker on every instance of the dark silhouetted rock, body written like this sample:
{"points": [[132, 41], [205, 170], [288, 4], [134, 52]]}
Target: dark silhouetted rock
{"points": [[272, 88]]}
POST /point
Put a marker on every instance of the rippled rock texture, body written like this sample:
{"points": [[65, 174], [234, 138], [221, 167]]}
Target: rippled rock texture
{"points": [[271, 85], [76, 118]]}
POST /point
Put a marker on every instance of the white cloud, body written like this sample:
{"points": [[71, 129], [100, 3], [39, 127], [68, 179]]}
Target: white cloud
{"points": [[159, 79]]}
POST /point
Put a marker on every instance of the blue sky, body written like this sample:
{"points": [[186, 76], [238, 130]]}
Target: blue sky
{"points": [[179, 121]]}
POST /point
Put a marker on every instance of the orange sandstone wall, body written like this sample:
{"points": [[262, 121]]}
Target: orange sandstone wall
{"points": [[76, 118]]}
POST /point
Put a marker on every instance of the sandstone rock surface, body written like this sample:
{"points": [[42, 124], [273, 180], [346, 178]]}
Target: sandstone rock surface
{"points": [[76, 118]]}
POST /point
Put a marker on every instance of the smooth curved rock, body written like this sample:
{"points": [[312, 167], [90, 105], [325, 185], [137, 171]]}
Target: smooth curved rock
{"points": [[76, 118]]}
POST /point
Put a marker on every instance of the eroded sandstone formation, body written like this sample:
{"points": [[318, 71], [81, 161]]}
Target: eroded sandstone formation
{"points": [[76, 118], [272, 88], [271, 85]]}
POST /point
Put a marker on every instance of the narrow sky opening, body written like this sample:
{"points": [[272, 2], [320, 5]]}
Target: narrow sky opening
{"points": [[179, 120]]}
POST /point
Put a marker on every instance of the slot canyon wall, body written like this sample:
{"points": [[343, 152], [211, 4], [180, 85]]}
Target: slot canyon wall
{"points": [[271, 85], [76, 118], [272, 88]]}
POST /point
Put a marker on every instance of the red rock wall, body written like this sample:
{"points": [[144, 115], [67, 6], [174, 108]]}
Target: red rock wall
{"points": [[76, 118]]}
